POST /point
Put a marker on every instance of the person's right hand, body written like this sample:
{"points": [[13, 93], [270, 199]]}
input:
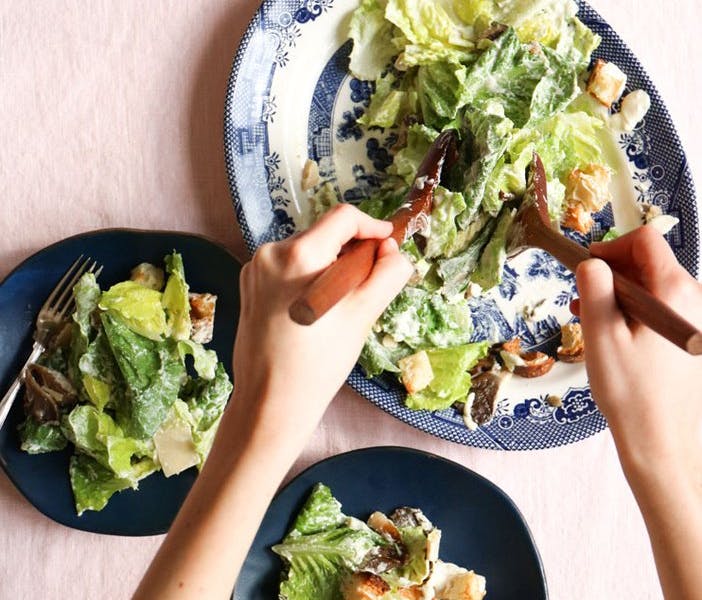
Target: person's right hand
{"points": [[649, 390]]}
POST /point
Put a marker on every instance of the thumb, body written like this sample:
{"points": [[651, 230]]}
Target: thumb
{"points": [[603, 323], [390, 273]]}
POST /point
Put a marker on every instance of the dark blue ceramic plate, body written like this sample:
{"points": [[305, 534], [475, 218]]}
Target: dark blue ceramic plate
{"points": [[481, 527], [43, 479]]}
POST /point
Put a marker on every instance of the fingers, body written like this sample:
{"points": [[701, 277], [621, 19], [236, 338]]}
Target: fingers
{"points": [[604, 325], [642, 255], [389, 275], [344, 222]]}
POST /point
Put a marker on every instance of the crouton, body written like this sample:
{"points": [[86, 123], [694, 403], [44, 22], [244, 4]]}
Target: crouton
{"points": [[364, 586], [572, 348], [416, 371], [451, 582], [587, 191], [606, 83], [148, 275], [202, 314]]}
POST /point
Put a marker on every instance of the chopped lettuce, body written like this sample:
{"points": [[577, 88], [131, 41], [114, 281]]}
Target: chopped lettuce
{"points": [[153, 372], [138, 307], [96, 434], [451, 381], [322, 548], [38, 438], [175, 299], [372, 40], [93, 484]]}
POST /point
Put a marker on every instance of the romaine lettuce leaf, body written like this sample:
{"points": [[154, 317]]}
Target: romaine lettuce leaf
{"points": [[38, 438], [432, 32], [492, 261], [100, 375], [207, 399], [322, 548], [372, 40], [175, 299], [96, 434], [441, 88], [390, 103], [93, 484], [139, 307], [406, 162], [451, 381], [423, 319], [204, 361], [153, 372], [446, 207]]}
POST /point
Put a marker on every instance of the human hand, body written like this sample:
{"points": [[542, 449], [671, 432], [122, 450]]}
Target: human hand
{"points": [[648, 389], [292, 371]]}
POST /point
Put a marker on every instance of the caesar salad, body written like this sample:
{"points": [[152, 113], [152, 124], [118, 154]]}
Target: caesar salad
{"points": [[117, 384], [330, 555], [513, 79]]}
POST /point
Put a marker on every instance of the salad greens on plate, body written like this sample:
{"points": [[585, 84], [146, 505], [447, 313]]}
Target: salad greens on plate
{"points": [[513, 78], [331, 556], [129, 383]]}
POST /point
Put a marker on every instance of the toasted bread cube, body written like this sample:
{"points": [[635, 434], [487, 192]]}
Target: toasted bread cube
{"points": [[364, 586], [572, 348], [202, 314], [606, 83], [416, 371], [578, 218], [589, 186], [451, 582], [148, 275]]}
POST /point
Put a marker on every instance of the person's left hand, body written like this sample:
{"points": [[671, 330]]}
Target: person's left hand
{"points": [[289, 372]]}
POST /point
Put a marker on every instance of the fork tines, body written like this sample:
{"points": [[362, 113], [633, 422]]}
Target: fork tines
{"points": [[61, 298]]}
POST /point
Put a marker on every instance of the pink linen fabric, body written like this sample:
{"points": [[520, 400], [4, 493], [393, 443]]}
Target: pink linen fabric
{"points": [[112, 117]]}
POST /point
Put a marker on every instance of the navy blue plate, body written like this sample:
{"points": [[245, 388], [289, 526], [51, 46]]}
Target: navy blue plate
{"points": [[481, 527], [43, 479]]}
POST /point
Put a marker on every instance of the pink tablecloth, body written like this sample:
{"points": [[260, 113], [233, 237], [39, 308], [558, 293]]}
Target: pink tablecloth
{"points": [[112, 116]]}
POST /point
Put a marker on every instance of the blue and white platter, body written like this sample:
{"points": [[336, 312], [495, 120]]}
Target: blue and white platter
{"points": [[290, 98], [43, 478], [478, 521]]}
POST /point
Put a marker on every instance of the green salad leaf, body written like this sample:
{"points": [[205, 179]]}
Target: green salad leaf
{"points": [[451, 381], [175, 299], [38, 438], [322, 547], [139, 307]]}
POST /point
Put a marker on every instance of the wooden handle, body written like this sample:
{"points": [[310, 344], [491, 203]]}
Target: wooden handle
{"points": [[343, 275], [637, 302]]}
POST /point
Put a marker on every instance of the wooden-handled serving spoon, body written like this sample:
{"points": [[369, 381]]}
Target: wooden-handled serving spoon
{"points": [[532, 228], [355, 264]]}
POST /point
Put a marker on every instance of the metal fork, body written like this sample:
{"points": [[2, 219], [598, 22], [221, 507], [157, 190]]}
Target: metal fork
{"points": [[55, 311]]}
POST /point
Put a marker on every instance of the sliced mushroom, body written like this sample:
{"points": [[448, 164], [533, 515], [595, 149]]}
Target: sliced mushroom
{"points": [[382, 559], [46, 392], [485, 392], [380, 523], [406, 516]]}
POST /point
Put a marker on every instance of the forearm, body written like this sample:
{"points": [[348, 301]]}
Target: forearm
{"points": [[668, 489], [213, 531]]}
